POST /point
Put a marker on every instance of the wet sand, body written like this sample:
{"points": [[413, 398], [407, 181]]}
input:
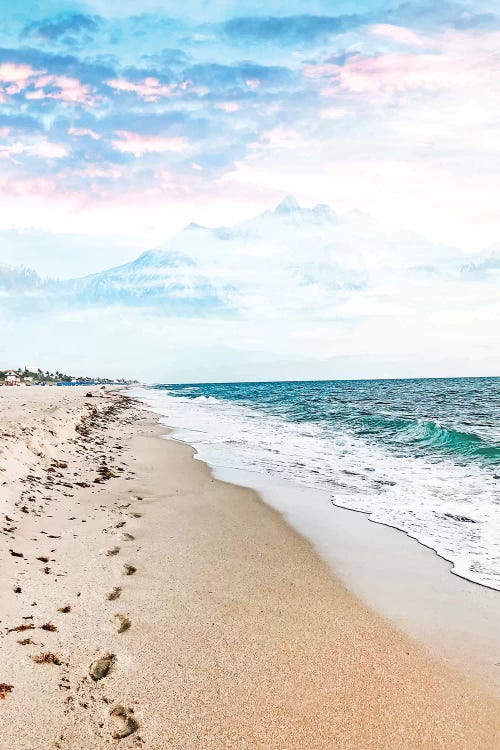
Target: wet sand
{"points": [[182, 612], [403, 580]]}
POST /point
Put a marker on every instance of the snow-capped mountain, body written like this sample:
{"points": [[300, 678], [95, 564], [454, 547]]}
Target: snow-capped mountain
{"points": [[287, 257], [165, 279], [18, 280]]}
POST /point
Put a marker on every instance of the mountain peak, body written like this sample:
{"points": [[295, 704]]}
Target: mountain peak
{"points": [[287, 206], [323, 211]]}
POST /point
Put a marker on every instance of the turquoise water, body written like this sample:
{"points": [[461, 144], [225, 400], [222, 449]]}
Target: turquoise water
{"points": [[459, 418], [421, 455]]}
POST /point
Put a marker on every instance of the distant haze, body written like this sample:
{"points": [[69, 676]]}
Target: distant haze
{"points": [[295, 293]]}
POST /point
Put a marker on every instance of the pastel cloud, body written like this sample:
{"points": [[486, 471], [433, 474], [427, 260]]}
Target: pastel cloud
{"points": [[150, 89], [82, 132], [455, 61], [42, 149], [38, 84], [16, 73], [64, 88], [16, 78], [228, 106], [398, 34], [139, 144]]}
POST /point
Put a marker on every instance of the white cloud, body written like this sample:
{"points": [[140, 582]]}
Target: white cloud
{"points": [[139, 144]]}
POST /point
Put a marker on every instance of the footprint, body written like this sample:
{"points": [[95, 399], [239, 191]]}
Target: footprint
{"points": [[129, 570], [114, 594], [121, 623], [113, 551], [122, 722], [100, 667], [127, 537]]}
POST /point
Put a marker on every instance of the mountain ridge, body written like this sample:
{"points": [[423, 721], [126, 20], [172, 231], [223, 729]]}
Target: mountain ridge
{"points": [[225, 270]]}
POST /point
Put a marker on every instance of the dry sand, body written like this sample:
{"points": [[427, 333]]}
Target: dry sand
{"points": [[205, 620]]}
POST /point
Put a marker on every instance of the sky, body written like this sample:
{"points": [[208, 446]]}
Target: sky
{"points": [[123, 122]]}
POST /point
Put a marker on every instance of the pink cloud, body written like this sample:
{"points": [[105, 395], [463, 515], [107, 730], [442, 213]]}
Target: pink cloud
{"points": [[39, 94], [18, 77], [150, 89], [228, 106], [48, 150], [21, 77], [398, 34], [64, 88], [82, 132], [138, 145], [17, 74], [390, 73], [451, 61]]}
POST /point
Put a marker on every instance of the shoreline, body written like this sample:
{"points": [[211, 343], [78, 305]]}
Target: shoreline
{"points": [[402, 580], [463, 628], [446, 504], [239, 636]]}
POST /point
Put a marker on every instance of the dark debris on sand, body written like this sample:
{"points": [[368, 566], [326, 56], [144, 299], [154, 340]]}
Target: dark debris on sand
{"points": [[50, 627], [21, 628], [5, 689], [47, 657]]}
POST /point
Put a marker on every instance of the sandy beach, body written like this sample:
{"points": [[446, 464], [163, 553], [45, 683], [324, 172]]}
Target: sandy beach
{"points": [[145, 603]]}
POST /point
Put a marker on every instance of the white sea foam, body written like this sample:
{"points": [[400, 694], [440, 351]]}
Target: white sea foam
{"points": [[453, 509]]}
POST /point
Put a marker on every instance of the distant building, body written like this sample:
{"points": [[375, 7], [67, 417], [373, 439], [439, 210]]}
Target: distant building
{"points": [[12, 378]]}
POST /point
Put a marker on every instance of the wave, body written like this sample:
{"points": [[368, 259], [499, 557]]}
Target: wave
{"points": [[464, 443], [430, 434], [174, 390]]}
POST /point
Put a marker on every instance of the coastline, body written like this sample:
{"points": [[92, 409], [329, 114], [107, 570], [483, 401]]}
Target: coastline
{"points": [[441, 494], [240, 636], [403, 580], [396, 574]]}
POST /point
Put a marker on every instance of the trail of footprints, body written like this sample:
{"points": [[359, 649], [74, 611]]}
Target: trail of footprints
{"points": [[121, 720], [89, 693]]}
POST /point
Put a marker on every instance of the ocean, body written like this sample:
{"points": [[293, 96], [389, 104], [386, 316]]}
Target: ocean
{"points": [[420, 455]]}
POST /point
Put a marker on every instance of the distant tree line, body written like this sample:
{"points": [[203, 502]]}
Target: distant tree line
{"points": [[44, 376]]}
